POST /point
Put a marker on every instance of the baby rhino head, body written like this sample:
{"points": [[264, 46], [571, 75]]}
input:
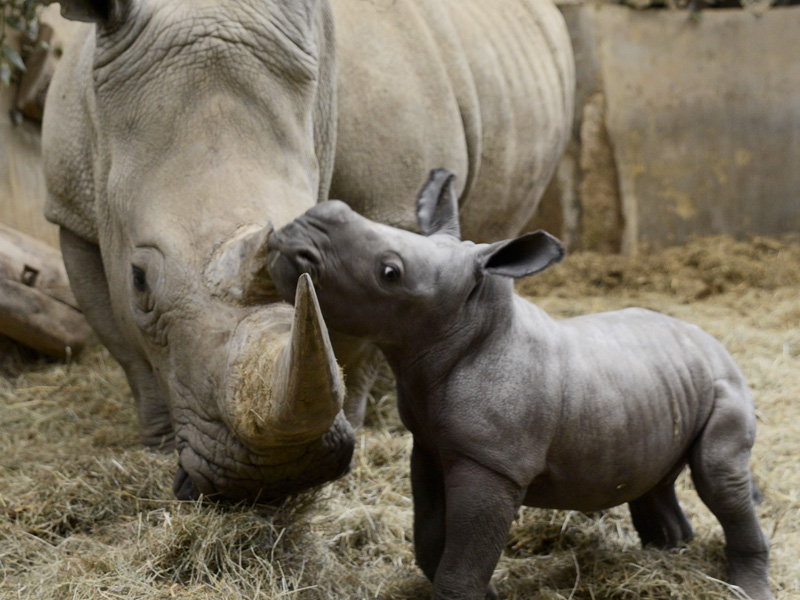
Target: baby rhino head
{"points": [[383, 283]]}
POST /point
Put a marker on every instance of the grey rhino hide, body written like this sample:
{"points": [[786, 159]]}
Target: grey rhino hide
{"points": [[509, 406], [177, 131]]}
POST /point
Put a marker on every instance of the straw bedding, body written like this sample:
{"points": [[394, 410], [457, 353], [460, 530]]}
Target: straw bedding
{"points": [[86, 513]]}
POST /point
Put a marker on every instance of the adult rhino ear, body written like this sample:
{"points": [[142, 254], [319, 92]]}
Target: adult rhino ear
{"points": [[93, 11], [522, 256], [437, 205]]}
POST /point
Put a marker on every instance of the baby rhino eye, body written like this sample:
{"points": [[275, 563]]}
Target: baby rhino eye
{"points": [[390, 273]]}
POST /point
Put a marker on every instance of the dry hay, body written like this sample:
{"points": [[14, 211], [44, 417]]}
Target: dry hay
{"points": [[85, 513]]}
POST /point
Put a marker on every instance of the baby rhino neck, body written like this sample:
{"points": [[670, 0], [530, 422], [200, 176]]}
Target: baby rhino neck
{"points": [[425, 360]]}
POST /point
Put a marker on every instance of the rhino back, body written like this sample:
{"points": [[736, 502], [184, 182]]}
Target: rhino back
{"points": [[520, 56], [484, 89]]}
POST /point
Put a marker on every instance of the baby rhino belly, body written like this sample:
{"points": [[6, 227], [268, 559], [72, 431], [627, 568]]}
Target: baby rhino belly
{"points": [[577, 489], [602, 457]]}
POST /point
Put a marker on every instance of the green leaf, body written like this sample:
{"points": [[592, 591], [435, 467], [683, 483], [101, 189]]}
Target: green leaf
{"points": [[12, 57]]}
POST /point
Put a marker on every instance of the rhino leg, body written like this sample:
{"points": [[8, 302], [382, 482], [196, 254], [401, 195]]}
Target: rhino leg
{"points": [[720, 463], [481, 505], [659, 518], [427, 486], [360, 361], [88, 282]]}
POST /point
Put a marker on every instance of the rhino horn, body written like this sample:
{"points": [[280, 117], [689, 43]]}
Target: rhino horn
{"points": [[310, 373], [290, 389]]}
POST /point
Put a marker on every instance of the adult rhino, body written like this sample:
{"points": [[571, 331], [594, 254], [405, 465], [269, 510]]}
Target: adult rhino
{"points": [[177, 131]]}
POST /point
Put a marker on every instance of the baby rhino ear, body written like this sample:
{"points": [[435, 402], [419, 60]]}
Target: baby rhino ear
{"points": [[522, 256], [437, 205]]}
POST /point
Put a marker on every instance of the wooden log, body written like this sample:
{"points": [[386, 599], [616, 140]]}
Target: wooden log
{"points": [[37, 307]]}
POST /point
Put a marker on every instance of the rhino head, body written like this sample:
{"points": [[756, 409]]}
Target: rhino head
{"points": [[202, 123], [408, 288]]}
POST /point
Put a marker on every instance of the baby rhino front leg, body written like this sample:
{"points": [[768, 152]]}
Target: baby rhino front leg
{"points": [[481, 505]]}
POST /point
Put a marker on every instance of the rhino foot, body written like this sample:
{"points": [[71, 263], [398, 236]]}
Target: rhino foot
{"points": [[750, 571]]}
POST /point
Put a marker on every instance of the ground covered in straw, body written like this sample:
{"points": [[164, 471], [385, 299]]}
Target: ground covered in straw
{"points": [[85, 513]]}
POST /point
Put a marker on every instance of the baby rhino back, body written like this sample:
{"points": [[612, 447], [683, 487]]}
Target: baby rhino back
{"points": [[635, 390], [613, 354]]}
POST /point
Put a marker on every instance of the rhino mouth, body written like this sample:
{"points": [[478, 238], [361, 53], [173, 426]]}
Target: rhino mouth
{"points": [[263, 418], [264, 477]]}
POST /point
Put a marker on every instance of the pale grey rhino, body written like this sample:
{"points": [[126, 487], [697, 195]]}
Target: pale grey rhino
{"points": [[177, 130], [509, 406]]}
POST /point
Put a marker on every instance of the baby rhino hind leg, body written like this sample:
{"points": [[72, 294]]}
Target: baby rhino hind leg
{"points": [[721, 472], [659, 519]]}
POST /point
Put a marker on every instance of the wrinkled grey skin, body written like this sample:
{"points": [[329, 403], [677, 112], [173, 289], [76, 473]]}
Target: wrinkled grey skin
{"points": [[509, 406], [176, 131]]}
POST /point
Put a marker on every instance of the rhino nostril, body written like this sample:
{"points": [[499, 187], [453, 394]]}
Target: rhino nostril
{"points": [[308, 257]]}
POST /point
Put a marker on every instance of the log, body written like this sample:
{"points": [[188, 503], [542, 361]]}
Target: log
{"points": [[37, 307]]}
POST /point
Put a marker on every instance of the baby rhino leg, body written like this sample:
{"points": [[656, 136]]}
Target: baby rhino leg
{"points": [[721, 473], [659, 518]]}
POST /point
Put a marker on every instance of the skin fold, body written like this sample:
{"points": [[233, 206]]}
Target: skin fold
{"points": [[508, 406]]}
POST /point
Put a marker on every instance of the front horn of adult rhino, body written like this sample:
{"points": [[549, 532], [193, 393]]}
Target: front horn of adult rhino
{"points": [[283, 387]]}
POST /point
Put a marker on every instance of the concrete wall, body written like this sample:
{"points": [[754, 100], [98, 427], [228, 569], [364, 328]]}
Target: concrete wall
{"points": [[685, 126]]}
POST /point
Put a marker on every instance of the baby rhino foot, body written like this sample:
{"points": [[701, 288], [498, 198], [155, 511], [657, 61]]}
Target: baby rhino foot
{"points": [[750, 572]]}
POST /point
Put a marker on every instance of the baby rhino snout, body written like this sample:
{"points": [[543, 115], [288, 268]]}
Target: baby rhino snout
{"points": [[290, 255], [301, 246]]}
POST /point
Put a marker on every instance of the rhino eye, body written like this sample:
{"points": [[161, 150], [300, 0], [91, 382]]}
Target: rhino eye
{"points": [[139, 279], [390, 273]]}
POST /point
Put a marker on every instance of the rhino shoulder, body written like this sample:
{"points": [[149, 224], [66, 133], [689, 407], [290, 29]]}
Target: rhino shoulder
{"points": [[67, 146]]}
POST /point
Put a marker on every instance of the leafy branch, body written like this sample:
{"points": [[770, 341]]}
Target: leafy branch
{"points": [[19, 15]]}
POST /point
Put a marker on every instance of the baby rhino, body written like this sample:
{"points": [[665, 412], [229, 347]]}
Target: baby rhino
{"points": [[508, 406]]}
